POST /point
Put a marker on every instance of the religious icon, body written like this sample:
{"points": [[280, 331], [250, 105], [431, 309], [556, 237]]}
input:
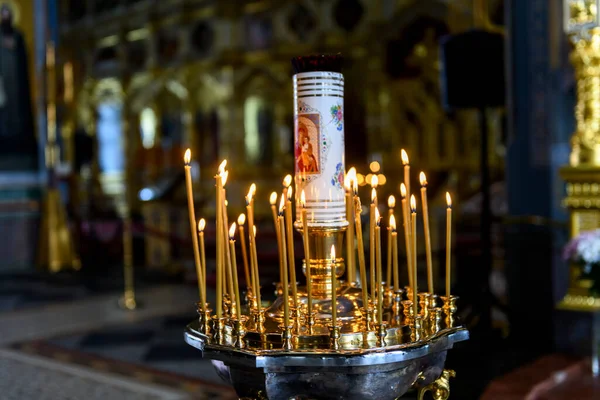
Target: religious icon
{"points": [[307, 143]]}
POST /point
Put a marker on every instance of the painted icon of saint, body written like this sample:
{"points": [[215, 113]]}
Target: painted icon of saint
{"points": [[305, 155]]}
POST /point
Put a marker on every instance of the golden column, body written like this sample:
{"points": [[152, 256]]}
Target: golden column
{"points": [[582, 175]]}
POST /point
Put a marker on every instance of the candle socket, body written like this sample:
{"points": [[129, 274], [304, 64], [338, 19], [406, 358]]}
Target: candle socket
{"points": [[297, 318], [397, 302], [388, 297], [239, 332], [258, 318], [227, 306], [334, 336], [286, 337], [278, 289], [433, 300], [249, 298], [409, 293], [417, 329], [205, 317], [381, 333], [367, 314], [449, 308], [219, 329], [310, 322], [424, 301], [435, 320], [407, 306]]}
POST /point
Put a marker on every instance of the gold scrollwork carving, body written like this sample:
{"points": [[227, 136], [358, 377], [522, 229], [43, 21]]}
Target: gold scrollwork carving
{"points": [[440, 388]]}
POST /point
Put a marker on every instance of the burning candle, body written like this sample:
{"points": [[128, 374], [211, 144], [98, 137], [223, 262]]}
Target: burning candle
{"points": [[241, 221], [226, 251], [360, 245], [333, 289], [273, 201], [391, 205], [350, 260], [289, 232], [372, 209], [378, 263], [283, 260], [253, 252], [406, 164], [306, 253], [219, 240], [187, 158], [238, 308], [423, 180], [413, 224], [395, 252], [448, 243], [407, 235], [201, 226]]}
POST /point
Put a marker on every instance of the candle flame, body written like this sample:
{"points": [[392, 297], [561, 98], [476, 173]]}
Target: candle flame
{"points": [[222, 166], [448, 200], [302, 199], [287, 181], [391, 201], [332, 253], [404, 157], [377, 215], [413, 203], [289, 193], [201, 225], [373, 195], [242, 219], [282, 204], [393, 222], [403, 190], [232, 231], [187, 157], [253, 189], [347, 182], [251, 192], [423, 179], [374, 181], [224, 176], [254, 230], [355, 187], [273, 198]]}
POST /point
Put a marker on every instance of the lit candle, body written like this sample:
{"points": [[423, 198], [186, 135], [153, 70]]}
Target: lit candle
{"points": [[283, 260], [423, 180], [201, 226], [253, 252], [241, 221], [391, 205], [378, 263], [219, 240], [395, 252], [289, 231], [187, 158], [372, 208], [406, 164], [306, 253], [359, 243], [238, 308], [407, 235], [333, 289], [448, 243], [226, 251], [413, 224], [273, 201], [350, 255]]}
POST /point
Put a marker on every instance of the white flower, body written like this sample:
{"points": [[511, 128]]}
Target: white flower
{"points": [[589, 250]]}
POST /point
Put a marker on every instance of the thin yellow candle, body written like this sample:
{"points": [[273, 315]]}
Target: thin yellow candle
{"points": [[413, 224], [273, 202], [289, 232], [448, 243], [350, 254], [395, 252], [406, 163], [372, 209], [253, 252], [423, 180], [219, 239], [241, 221], [391, 205], [359, 243], [333, 288], [283, 259], [407, 234], [306, 253], [379, 276], [238, 308], [187, 158], [201, 226], [226, 251]]}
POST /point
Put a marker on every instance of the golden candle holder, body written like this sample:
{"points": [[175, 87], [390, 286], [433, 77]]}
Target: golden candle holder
{"points": [[435, 320]]}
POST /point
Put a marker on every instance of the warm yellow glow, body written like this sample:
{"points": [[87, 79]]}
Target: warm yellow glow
{"points": [[374, 181], [224, 176], [201, 225], [302, 199], [374, 167], [448, 199], [187, 157], [289, 193], [242, 219], [355, 185], [352, 172], [404, 157], [373, 195], [403, 190], [347, 182], [254, 230], [222, 166], [423, 179], [393, 222], [413, 203], [273, 198], [382, 179], [377, 215], [226, 202], [332, 252], [391, 201], [232, 231], [282, 204], [360, 179], [287, 181], [250, 194]]}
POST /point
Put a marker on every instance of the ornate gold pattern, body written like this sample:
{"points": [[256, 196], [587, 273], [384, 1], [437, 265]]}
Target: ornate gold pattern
{"points": [[440, 388]]}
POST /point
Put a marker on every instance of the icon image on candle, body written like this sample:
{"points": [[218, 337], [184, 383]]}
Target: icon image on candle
{"points": [[307, 144]]}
